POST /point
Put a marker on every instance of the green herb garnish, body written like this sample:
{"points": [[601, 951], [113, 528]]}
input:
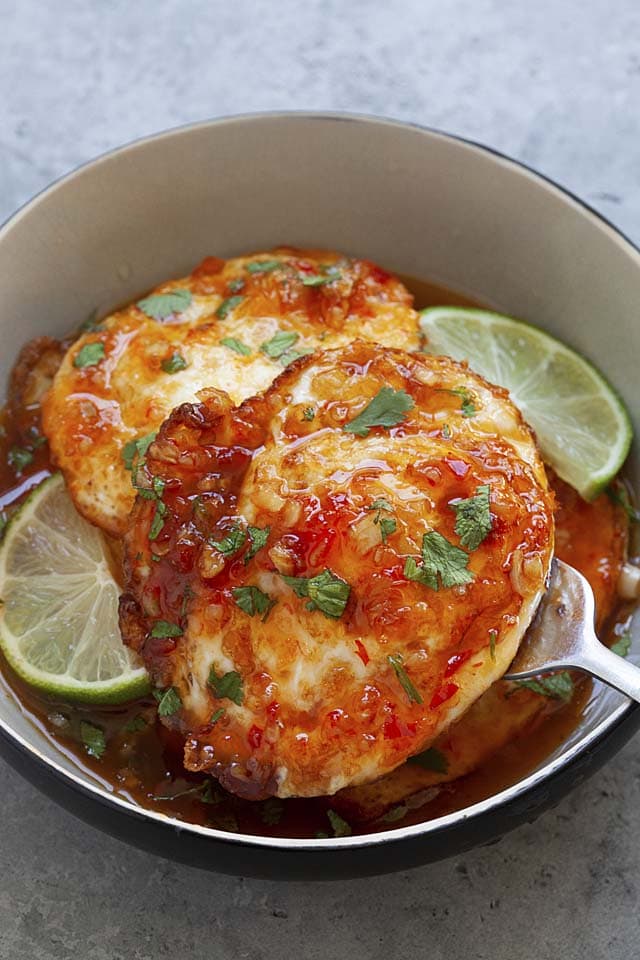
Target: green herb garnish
{"points": [[396, 662], [431, 759], [236, 285], [232, 542], [308, 413], [258, 537], [326, 591], [19, 458], [136, 724], [253, 601], [340, 827], [164, 628], [263, 266], [157, 523], [279, 343], [237, 345], [90, 355], [473, 518], [159, 306], [622, 646], [174, 363], [468, 407], [136, 450], [387, 524], [558, 686], [395, 813], [387, 409], [217, 715], [228, 305], [493, 636], [169, 701], [93, 739], [227, 686], [292, 355], [439, 557]]}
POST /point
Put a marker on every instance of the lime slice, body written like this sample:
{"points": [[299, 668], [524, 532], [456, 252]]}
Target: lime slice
{"points": [[582, 427], [59, 618]]}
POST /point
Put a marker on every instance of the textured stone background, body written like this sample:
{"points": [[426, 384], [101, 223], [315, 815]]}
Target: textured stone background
{"points": [[556, 84]]}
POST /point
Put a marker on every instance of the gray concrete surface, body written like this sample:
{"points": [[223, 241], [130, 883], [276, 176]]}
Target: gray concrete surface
{"points": [[555, 83]]}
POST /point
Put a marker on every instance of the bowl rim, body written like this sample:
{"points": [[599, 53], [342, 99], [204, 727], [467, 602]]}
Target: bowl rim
{"points": [[503, 797]]}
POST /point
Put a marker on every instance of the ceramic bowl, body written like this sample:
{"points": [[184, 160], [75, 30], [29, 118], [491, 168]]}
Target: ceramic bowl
{"points": [[420, 202]]}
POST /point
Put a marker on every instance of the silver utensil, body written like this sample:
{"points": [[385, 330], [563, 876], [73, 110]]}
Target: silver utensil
{"points": [[562, 636]]}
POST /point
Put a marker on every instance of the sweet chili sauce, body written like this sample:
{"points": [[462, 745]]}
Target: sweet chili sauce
{"points": [[142, 761]]}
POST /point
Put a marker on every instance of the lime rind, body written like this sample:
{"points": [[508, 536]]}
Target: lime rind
{"points": [[582, 426], [59, 620]]}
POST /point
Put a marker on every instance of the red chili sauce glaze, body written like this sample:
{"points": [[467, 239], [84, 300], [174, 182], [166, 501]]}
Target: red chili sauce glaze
{"points": [[504, 736]]}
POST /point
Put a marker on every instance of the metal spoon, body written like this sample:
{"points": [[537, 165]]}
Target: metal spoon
{"points": [[562, 636]]}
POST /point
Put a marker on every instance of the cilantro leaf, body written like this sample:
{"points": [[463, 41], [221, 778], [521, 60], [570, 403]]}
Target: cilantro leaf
{"points": [[136, 449], [91, 324], [169, 701], [163, 629], [468, 407], [252, 601], [236, 285], [228, 305], [237, 346], [396, 662], [90, 355], [93, 739], [431, 759], [217, 715], [136, 724], [441, 557], [19, 458], [340, 827], [272, 811], [160, 306], [387, 524], [157, 523], [473, 518], [326, 591], [387, 409], [558, 686], [292, 355], [226, 686], [258, 537], [174, 363], [263, 266], [279, 343], [420, 574], [232, 542], [622, 645]]}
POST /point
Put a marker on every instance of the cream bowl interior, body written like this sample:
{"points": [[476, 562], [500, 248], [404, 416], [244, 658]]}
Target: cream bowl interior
{"points": [[417, 201]]}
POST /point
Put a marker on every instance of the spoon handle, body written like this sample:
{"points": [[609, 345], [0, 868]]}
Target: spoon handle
{"points": [[600, 662]]}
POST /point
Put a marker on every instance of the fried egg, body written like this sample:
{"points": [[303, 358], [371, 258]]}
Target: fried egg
{"points": [[232, 325], [323, 578]]}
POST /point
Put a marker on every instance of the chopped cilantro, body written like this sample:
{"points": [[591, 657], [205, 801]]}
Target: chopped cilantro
{"points": [[19, 458], [217, 715], [473, 518], [340, 827], [558, 686], [169, 701], [237, 346], [90, 355], [387, 524], [431, 759], [272, 811], [279, 344], [387, 409], [493, 636], [292, 355], [228, 305], [326, 591], [236, 285], [136, 724], [328, 275], [211, 793], [252, 600], [439, 557], [227, 686], [308, 413], [93, 739], [263, 266], [160, 306], [136, 450], [164, 628], [174, 363], [157, 523], [258, 537], [232, 542], [622, 645], [396, 662], [446, 432], [468, 407]]}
